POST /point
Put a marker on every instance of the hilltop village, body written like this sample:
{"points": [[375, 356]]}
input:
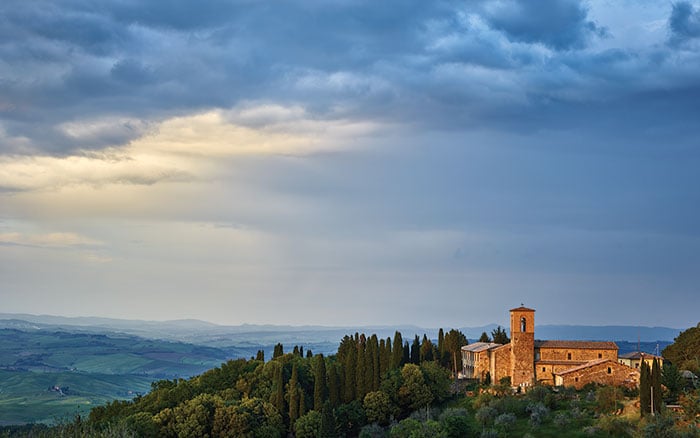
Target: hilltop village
{"points": [[526, 361]]}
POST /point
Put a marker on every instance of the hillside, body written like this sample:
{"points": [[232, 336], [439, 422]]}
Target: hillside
{"points": [[48, 375]]}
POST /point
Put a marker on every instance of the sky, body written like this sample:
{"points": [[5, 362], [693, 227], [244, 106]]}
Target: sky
{"points": [[341, 162]]}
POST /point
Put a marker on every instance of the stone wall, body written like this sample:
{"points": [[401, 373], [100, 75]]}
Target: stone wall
{"points": [[605, 373], [501, 363], [576, 354]]}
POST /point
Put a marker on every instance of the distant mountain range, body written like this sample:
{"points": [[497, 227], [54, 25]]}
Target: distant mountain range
{"points": [[205, 333]]}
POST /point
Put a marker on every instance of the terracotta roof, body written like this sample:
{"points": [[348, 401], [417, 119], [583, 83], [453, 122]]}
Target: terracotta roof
{"points": [[522, 309], [560, 362], [586, 365], [593, 345], [479, 346], [638, 355]]}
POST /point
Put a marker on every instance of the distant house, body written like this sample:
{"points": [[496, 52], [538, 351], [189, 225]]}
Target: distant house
{"points": [[526, 361], [635, 358]]}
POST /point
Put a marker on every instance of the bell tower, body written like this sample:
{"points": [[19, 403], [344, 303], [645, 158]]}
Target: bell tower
{"points": [[522, 346]]}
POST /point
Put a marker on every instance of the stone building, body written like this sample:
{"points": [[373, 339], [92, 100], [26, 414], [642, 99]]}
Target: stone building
{"points": [[527, 361], [635, 358]]}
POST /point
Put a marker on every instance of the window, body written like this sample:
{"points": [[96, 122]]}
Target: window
{"points": [[544, 369], [609, 370], [523, 324], [576, 379], [568, 356], [600, 355]]}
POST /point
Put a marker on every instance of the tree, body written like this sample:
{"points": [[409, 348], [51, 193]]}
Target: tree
{"points": [[441, 347], [672, 379], [644, 389], [397, 351], [685, 350], [277, 397], [251, 417], [657, 395], [309, 426], [454, 340], [278, 351], [484, 337], [377, 407], [499, 335], [347, 356], [415, 351], [320, 388], [333, 384], [260, 355], [414, 393], [361, 370], [426, 350], [327, 422], [374, 362], [293, 397]]}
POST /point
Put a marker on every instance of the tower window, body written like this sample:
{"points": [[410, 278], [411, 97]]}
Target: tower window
{"points": [[544, 369], [576, 379], [523, 324], [600, 355], [609, 370], [568, 356]]}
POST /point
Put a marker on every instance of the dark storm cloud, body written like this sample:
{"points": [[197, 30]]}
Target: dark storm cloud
{"points": [[684, 22], [448, 64], [559, 24]]}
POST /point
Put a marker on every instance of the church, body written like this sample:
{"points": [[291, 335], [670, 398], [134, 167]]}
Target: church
{"points": [[561, 363]]}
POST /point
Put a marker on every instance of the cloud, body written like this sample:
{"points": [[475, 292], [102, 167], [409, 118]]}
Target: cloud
{"points": [[49, 240], [558, 24], [179, 149], [684, 22], [447, 64]]}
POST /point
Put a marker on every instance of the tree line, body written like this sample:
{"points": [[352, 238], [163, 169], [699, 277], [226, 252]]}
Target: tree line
{"points": [[368, 380]]}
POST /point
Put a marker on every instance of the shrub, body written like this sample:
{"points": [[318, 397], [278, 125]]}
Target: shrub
{"points": [[538, 413], [372, 431], [505, 421], [486, 415]]}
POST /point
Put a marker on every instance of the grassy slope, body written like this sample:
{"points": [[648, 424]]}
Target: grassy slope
{"points": [[96, 368]]}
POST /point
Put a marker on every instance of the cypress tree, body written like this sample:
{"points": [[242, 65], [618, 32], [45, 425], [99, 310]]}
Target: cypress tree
{"points": [[644, 389], [302, 402], [260, 355], [426, 350], [296, 351], [333, 384], [301, 351], [278, 394], [656, 385], [376, 367], [441, 347], [406, 354], [361, 370], [278, 351], [387, 359], [320, 389], [327, 422], [293, 397], [415, 350], [350, 370], [397, 351], [382, 358], [309, 354]]}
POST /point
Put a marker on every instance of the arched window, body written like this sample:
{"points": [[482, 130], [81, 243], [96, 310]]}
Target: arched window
{"points": [[609, 370], [523, 324]]}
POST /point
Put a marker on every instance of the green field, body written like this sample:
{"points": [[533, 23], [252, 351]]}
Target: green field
{"points": [[94, 368], [25, 395]]}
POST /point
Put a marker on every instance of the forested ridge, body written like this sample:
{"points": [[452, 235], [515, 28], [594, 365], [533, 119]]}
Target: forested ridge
{"points": [[389, 387]]}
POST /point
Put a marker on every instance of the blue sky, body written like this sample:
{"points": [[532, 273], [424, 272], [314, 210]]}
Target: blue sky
{"points": [[351, 162]]}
